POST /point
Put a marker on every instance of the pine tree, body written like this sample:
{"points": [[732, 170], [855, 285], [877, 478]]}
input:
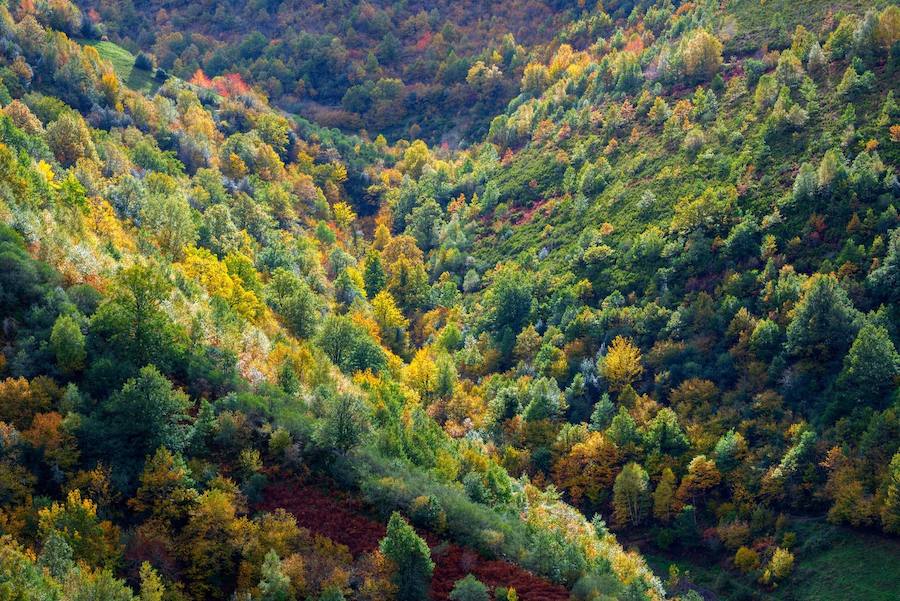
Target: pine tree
{"points": [[871, 366], [274, 585], [411, 557]]}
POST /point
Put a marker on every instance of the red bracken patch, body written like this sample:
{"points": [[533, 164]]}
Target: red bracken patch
{"points": [[342, 518], [331, 514]]}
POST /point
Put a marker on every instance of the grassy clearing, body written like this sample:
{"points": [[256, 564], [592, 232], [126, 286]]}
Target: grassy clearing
{"points": [[123, 62], [838, 563], [832, 564]]}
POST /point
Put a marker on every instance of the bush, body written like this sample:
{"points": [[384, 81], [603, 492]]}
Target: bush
{"points": [[144, 62], [779, 567], [426, 512], [469, 589], [746, 559]]}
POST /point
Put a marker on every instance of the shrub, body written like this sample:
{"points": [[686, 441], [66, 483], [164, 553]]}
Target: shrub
{"points": [[779, 567], [469, 589], [144, 62], [746, 559]]}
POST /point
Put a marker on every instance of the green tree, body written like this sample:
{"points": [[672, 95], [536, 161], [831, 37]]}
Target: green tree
{"points": [[168, 219], [630, 495], [469, 589], [349, 345], [884, 281], [56, 556], [507, 303], [68, 344], [411, 558], [824, 324], [343, 423], [147, 413], [871, 366], [374, 275], [296, 303], [664, 433], [131, 325], [274, 585]]}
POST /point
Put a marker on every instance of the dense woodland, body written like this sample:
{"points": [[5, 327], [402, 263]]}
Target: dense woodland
{"points": [[489, 293]]}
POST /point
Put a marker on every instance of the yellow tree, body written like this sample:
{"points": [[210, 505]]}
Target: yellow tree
{"points": [[588, 469], [664, 495], [391, 322], [701, 477], [421, 375], [622, 364], [702, 54]]}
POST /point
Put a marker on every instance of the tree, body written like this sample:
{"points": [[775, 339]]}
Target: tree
{"points": [[602, 414], [746, 559], [664, 495], [343, 423], [779, 567], [824, 322], [208, 544], [374, 275], [884, 281], [166, 493], [411, 557], [152, 588], [68, 344], [296, 303], [729, 451], [75, 520], [70, 139], [469, 589], [350, 345], [871, 365], [587, 470], [630, 495], [56, 556], [169, 220], [147, 413], [701, 477], [274, 585], [664, 433], [86, 584], [702, 55], [890, 511], [507, 303], [621, 365], [132, 321]]}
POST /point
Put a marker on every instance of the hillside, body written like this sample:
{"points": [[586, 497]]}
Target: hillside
{"points": [[437, 70], [591, 283]]}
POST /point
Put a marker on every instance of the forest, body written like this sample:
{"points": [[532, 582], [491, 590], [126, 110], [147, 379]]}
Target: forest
{"points": [[474, 301]]}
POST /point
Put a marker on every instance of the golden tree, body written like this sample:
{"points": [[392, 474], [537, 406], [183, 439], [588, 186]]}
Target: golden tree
{"points": [[622, 364]]}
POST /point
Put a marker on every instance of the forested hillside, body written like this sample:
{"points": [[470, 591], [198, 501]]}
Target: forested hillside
{"points": [[488, 290]]}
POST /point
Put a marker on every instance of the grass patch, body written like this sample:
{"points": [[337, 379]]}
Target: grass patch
{"points": [[123, 63], [833, 563]]}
